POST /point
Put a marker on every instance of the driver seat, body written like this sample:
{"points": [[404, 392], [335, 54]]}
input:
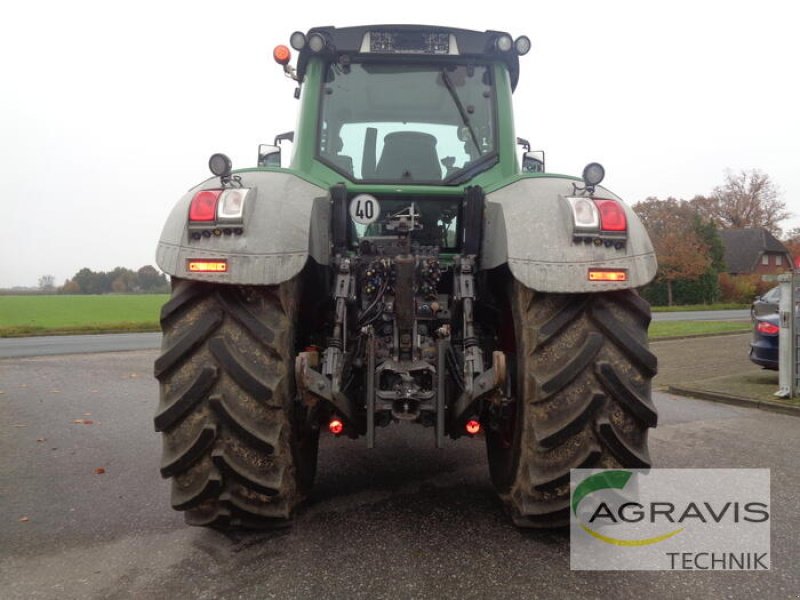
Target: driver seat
{"points": [[409, 155]]}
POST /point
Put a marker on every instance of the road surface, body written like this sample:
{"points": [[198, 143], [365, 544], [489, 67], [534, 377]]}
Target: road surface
{"points": [[51, 345], [401, 521]]}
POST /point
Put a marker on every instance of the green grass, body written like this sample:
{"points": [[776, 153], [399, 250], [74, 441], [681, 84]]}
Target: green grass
{"points": [[662, 329], [694, 307], [51, 315]]}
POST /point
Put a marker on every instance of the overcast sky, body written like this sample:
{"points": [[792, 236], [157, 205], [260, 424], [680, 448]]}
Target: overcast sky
{"points": [[110, 110]]}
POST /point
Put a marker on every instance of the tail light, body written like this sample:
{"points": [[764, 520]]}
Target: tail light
{"points": [[612, 216], [335, 426], [204, 206], [597, 215], [218, 206], [473, 427], [767, 328]]}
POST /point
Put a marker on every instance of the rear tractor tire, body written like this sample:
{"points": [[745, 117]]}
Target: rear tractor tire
{"points": [[235, 444], [582, 398]]}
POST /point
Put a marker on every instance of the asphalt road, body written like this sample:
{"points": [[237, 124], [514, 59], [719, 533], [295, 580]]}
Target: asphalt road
{"points": [[401, 521], [51, 345]]}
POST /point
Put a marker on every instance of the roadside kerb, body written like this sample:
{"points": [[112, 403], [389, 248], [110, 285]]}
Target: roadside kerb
{"points": [[776, 407], [667, 338]]}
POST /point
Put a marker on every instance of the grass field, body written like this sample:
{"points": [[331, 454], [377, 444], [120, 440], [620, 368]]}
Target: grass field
{"points": [[39, 315], [662, 329], [52, 315], [696, 307]]}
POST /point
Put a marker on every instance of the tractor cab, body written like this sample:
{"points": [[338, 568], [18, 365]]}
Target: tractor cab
{"points": [[404, 105]]}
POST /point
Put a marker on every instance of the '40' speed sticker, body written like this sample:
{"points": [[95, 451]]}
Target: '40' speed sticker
{"points": [[364, 209]]}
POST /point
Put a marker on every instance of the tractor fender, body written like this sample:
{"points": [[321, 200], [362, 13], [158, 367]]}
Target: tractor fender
{"points": [[284, 222], [528, 225]]}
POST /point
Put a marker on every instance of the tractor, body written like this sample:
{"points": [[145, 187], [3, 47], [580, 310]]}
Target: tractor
{"points": [[413, 262]]}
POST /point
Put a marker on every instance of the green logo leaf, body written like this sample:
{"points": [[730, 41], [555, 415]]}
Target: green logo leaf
{"points": [[600, 481], [611, 480]]}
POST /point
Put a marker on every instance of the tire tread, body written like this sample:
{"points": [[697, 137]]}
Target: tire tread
{"points": [[585, 395], [224, 413]]}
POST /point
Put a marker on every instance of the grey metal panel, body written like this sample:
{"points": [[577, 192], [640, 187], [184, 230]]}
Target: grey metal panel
{"points": [[787, 342], [529, 226], [277, 235]]}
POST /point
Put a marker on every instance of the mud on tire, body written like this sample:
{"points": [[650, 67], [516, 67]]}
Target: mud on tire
{"points": [[583, 372], [237, 451]]}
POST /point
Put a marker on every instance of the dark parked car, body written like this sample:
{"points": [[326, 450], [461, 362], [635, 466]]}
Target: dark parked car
{"points": [[766, 304], [764, 347]]}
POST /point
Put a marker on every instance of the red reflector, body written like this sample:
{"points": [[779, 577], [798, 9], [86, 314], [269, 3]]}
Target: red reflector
{"points": [[204, 205], [281, 55], [335, 426], [612, 215], [207, 266], [767, 328], [473, 426], [607, 275]]}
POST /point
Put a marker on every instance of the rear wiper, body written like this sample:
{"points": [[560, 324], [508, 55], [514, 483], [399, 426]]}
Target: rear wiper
{"points": [[462, 111], [483, 163]]}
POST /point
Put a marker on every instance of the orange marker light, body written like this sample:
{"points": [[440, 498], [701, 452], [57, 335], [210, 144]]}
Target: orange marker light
{"points": [[473, 427], [207, 266], [335, 426], [282, 55], [607, 275]]}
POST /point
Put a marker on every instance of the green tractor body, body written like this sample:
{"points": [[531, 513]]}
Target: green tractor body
{"points": [[406, 266]]}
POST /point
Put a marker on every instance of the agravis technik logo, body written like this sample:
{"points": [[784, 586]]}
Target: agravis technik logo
{"points": [[670, 519]]}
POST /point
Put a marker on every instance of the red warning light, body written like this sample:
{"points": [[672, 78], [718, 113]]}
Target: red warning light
{"points": [[335, 426], [473, 427]]}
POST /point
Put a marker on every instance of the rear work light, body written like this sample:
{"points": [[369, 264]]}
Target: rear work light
{"points": [[204, 206], [767, 328]]}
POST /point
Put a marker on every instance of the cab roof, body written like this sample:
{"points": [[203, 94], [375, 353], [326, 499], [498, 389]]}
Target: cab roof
{"points": [[401, 42]]}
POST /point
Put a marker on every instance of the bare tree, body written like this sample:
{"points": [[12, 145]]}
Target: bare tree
{"points": [[47, 283], [792, 243], [746, 199]]}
